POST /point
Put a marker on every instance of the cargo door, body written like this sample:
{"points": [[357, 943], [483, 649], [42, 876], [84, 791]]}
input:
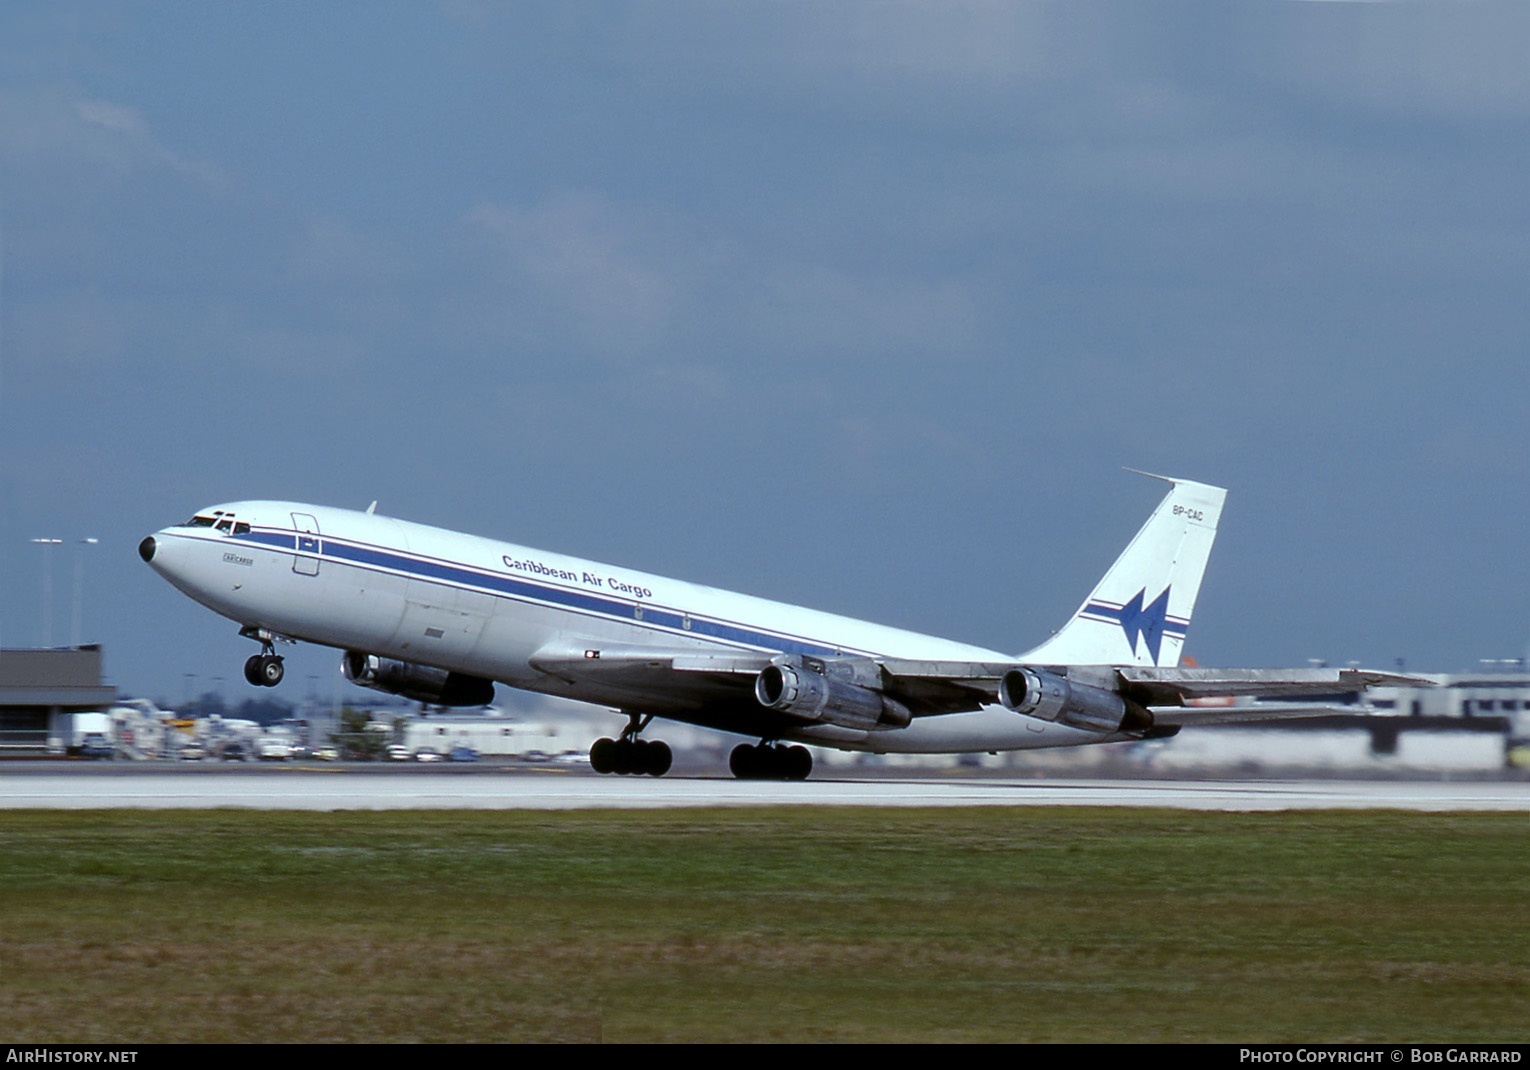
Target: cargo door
{"points": [[306, 563]]}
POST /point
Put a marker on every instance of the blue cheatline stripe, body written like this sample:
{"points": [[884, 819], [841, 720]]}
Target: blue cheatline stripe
{"points": [[1171, 626], [456, 575]]}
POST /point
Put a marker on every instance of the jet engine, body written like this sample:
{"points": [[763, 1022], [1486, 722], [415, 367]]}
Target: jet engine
{"points": [[1038, 693], [829, 692], [423, 683]]}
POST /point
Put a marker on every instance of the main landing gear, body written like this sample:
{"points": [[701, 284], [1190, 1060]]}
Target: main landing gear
{"points": [[770, 761], [264, 669], [629, 754]]}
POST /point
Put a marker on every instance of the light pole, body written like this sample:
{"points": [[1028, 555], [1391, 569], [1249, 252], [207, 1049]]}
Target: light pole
{"points": [[79, 586], [47, 545]]}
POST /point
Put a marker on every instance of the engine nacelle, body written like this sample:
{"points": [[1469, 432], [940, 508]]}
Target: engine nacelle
{"points": [[827, 692], [1038, 693], [439, 687]]}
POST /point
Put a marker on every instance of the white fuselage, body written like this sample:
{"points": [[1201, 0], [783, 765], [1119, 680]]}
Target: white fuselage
{"points": [[483, 608]]}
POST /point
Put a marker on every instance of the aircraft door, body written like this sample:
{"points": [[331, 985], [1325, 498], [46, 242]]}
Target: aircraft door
{"points": [[306, 563]]}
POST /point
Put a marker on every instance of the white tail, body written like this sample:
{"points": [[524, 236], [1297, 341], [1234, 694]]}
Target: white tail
{"points": [[1139, 613]]}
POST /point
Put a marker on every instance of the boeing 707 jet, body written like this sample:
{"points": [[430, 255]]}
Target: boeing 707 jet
{"points": [[439, 617]]}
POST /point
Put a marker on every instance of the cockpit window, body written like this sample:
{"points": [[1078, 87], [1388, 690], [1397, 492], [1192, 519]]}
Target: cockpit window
{"points": [[221, 519]]}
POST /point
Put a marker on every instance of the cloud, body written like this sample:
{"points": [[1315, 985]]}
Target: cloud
{"points": [[85, 178], [1446, 59], [58, 134], [117, 117], [579, 264], [815, 313]]}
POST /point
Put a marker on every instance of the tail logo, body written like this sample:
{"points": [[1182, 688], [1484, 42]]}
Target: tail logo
{"points": [[1150, 623]]}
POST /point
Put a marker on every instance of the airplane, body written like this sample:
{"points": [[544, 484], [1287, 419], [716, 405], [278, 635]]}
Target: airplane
{"points": [[438, 616]]}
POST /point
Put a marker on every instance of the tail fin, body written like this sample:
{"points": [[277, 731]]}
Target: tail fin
{"points": [[1139, 613]]}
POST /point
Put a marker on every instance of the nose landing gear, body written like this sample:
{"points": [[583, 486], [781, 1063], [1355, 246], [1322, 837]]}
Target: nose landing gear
{"points": [[264, 669]]}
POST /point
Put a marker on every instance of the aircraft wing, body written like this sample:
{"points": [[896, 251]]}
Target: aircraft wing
{"points": [[929, 688], [654, 679], [622, 664], [691, 677], [1153, 686]]}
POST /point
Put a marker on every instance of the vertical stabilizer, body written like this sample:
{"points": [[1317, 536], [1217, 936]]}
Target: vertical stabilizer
{"points": [[1139, 613]]}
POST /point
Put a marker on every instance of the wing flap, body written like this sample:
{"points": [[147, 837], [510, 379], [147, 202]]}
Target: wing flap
{"points": [[930, 688]]}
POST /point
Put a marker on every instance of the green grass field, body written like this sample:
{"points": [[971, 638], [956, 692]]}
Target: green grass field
{"points": [[769, 924]]}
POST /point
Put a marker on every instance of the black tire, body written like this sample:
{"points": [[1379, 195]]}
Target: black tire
{"points": [[773, 762], [744, 762], [657, 761], [603, 756], [627, 757], [641, 755], [798, 763], [252, 671]]}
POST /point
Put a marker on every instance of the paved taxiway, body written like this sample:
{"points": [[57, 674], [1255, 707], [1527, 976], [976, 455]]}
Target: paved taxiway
{"points": [[56, 786]]}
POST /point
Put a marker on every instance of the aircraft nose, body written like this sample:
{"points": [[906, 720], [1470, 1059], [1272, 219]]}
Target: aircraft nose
{"points": [[147, 547]]}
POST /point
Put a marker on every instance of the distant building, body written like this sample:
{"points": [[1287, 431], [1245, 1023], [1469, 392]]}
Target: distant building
{"points": [[42, 690], [1503, 695], [1466, 723]]}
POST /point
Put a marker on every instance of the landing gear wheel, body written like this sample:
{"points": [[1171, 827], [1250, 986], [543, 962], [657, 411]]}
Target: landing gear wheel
{"points": [[264, 669], [630, 756], [658, 758], [603, 756], [742, 762], [271, 671], [797, 763], [770, 761]]}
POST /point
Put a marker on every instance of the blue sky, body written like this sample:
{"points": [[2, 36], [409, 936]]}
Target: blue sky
{"points": [[862, 306]]}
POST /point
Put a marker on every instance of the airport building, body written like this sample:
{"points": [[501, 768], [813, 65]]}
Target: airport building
{"points": [[41, 692], [1464, 695]]}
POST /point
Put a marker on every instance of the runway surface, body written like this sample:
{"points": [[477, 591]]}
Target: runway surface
{"points": [[318, 787]]}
